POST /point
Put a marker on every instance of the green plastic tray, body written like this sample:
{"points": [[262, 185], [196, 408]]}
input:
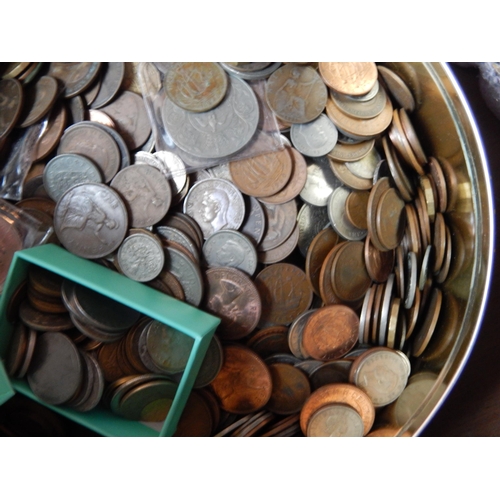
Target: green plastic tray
{"points": [[199, 325]]}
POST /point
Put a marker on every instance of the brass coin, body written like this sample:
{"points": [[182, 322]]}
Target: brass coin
{"points": [[244, 383], [38, 100], [339, 393], [351, 78], [331, 332], [196, 86], [296, 94]]}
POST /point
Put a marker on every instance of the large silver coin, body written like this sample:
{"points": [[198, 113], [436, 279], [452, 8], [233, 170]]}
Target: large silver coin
{"points": [[215, 204], [141, 257], [217, 133], [315, 138], [67, 170], [230, 248], [91, 220]]}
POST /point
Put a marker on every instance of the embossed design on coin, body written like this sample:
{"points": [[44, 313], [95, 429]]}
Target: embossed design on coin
{"points": [[315, 138]]}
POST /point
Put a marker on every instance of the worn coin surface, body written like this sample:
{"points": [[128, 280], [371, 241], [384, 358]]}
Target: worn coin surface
{"points": [[335, 420], [11, 104], [90, 220], [320, 183], [281, 220], [315, 138], [38, 100], [351, 78], [112, 75], [76, 77]]}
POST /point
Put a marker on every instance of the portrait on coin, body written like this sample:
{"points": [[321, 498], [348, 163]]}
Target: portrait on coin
{"points": [[215, 206]]}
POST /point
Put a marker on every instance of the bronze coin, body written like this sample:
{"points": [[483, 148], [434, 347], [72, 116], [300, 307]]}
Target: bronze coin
{"points": [[291, 388], [351, 152], [45, 281], [232, 296], [268, 341], [350, 78], [244, 383], [356, 206], [38, 101], [75, 77], [281, 222], [196, 419], [285, 293], [42, 321], [11, 104], [390, 220], [330, 372], [10, 243], [339, 393], [397, 88], [331, 332], [378, 264], [112, 75], [378, 190], [18, 344], [426, 330], [57, 120], [325, 276]]}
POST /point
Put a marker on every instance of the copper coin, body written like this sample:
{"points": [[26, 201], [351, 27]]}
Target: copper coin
{"points": [[378, 190], [128, 111], [351, 78], [285, 294], [269, 341], [426, 330], [75, 77], [196, 86], [231, 295], [112, 74], [18, 345], [57, 120], [331, 332], [10, 243], [397, 88], [38, 101], [196, 419], [351, 152], [390, 220], [281, 222], [11, 104], [244, 383], [262, 175], [378, 264], [356, 208], [339, 393], [291, 388], [325, 276], [42, 321], [296, 94], [330, 372], [401, 178]]}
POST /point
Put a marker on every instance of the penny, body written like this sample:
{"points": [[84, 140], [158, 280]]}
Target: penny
{"points": [[335, 420], [145, 192], [401, 179], [65, 171], [231, 295], [338, 218], [10, 243], [229, 248], [350, 180], [439, 242], [430, 202], [49, 139], [378, 264], [241, 69], [38, 100], [320, 183], [262, 175], [75, 77], [17, 348], [330, 372], [412, 137], [351, 152], [281, 220], [451, 183], [290, 389], [215, 204], [296, 94], [55, 373], [244, 383], [269, 341], [220, 132], [390, 220], [14, 69], [426, 330], [437, 175], [325, 282], [361, 109], [196, 86], [282, 251], [11, 104], [366, 166], [196, 419], [315, 138], [331, 332], [43, 321], [96, 389], [130, 116], [378, 190], [339, 393], [285, 293], [356, 206], [397, 88], [112, 74], [295, 333], [351, 78], [365, 315], [384, 311]]}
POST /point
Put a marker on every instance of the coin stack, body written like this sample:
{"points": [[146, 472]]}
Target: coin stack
{"points": [[324, 258]]}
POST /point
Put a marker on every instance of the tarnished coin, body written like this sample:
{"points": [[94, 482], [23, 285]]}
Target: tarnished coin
{"points": [[281, 220], [351, 152], [131, 118], [356, 206], [75, 77], [112, 75], [196, 86], [351, 78], [90, 220], [11, 104], [172, 234], [231, 295], [361, 109], [320, 183], [335, 420], [220, 132], [390, 220], [331, 332], [56, 370], [17, 348], [254, 223], [397, 88], [378, 264], [146, 193], [65, 171], [230, 248], [281, 251], [285, 293], [296, 93], [91, 141], [315, 138], [311, 220], [366, 166], [338, 218], [10, 243], [141, 257], [244, 383], [215, 204], [49, 139], [262, 175], [38, 100], [43, 321], [270, 342]]}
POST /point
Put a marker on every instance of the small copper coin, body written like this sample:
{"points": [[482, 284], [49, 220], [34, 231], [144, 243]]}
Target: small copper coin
{"points": [[339, 393], [356, 207], [397, 88], [18, 344], [378, 264], [331, 332], [244, 383], [390, 219], [42, 321], [112, 75], [57, 120], [196, 419], [351, 78], [424, 334]]}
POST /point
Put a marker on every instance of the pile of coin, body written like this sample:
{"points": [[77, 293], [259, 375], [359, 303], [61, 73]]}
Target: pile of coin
{"points": [[325, 255]]}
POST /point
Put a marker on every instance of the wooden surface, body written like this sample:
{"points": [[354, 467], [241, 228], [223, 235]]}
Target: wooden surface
{"points": [[473, 406]]}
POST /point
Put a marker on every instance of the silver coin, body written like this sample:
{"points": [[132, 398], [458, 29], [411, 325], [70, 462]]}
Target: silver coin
{"points": [[68, 170], [280, 223], [384, 314], [320, 183], [264, 70], [316, 138], [146, 193], [424, 269], [366, 167], [335, 420], [215, 204], [411, 280], [311, 220], [176, 235], [361, 109], [254, 223], [188, 274], [221, 172], [230, 248], [338, 218], [90, 220], [217, 133], [141, 257], [174, 169]]}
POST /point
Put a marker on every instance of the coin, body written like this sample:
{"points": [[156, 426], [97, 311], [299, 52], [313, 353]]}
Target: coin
{"points": [[296, 94], [75, 77], [38, 100], [335, 420], [338, 217], [390, 220], [281, 220], [397, 88], [356, 206], [320, 183], [11, 104], [315, 138], [352, 78], [361, 109], [49, 139], [196, 86], [11, 242], [112, 75]]}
